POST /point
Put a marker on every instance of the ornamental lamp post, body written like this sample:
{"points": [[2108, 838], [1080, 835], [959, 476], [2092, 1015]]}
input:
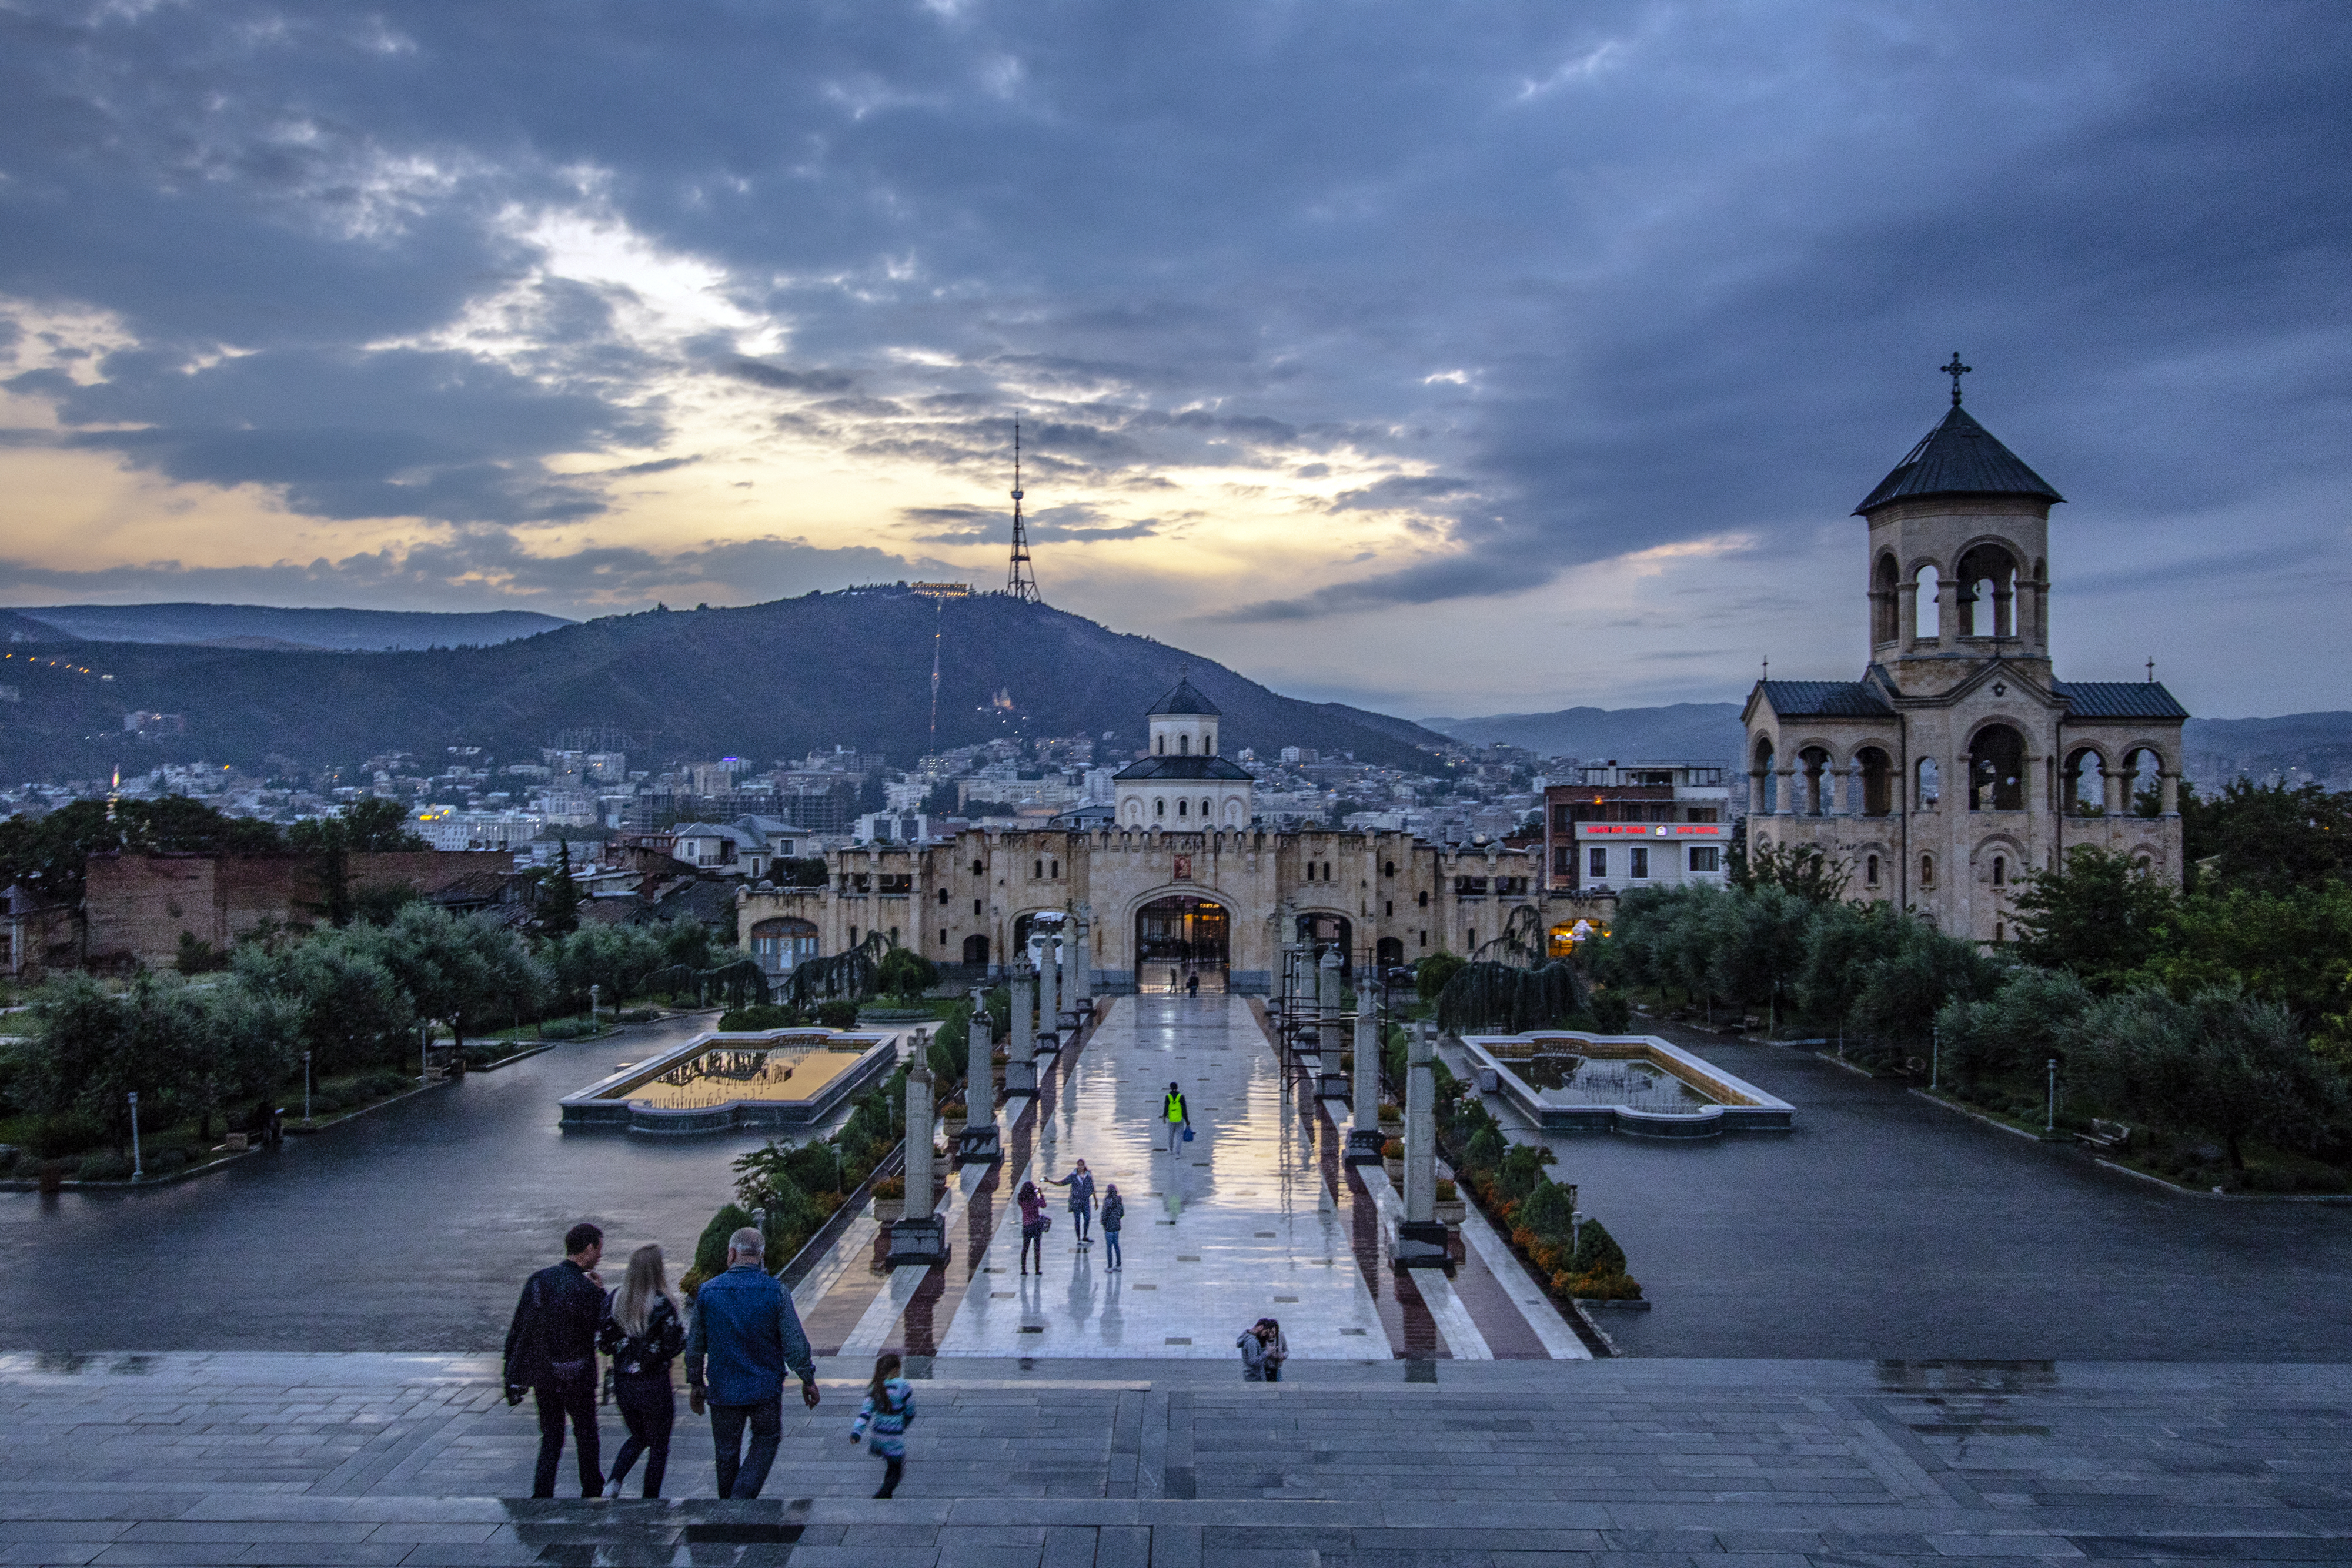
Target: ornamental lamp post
{"points": [[2050, 1123], [137, 1168], [593, 992], [306, 1088]]}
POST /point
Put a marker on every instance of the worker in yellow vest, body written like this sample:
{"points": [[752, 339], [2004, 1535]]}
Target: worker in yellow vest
{"points": [[1177, 1115]]}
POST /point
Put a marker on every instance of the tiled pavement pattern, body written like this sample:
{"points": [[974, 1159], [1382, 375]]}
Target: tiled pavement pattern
{"points": [[260, 1459], [1257, 1217]]}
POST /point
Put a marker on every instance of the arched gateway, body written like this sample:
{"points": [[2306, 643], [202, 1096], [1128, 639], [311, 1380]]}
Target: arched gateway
{"points": [[1178, 938]]}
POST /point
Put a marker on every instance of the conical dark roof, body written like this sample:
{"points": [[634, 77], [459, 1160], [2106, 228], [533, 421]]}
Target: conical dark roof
{"points": [[1958, 457], [1183, 699]]}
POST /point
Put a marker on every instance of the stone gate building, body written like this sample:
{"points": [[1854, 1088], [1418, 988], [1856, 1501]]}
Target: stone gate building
{"points": [[1166, 903], [1959, 760]]}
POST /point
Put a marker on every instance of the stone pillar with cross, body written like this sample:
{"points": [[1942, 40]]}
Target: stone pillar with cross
{"points": [[1081, 957], [1049, 991], [979, 1140], [919, 1236]]}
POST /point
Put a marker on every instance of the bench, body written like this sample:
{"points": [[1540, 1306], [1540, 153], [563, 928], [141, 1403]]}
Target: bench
{"points": [[2106, 1135]]}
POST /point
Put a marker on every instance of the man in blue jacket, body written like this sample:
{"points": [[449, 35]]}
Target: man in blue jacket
{"points": [[746, 1333]]}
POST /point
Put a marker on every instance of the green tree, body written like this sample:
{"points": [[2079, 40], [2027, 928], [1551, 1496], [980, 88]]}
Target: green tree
{"points": [[2293, 946], [1805, 869], [906, 973], [559, 894], [353, 1013], [2097, 916], [377, 826], [2219, 1062], [1760, 943], [2267, 838], [2029, 1020], [1430, 975], [1927, 970]]}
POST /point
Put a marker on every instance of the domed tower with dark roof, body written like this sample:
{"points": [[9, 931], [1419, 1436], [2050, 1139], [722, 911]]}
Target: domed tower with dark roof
{"points": [[1182, 781], [1959, 762]]}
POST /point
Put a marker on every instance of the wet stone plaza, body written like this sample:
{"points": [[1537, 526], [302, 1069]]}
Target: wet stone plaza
{"points": [[1891, 1334]]}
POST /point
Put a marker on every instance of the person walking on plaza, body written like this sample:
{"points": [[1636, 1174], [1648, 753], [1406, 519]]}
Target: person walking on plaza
{"points": [[1114, 1215], [643, 1330], [1264, 1350], [1177, 1114], [1035, 1223], [888, 1411], [1081, 1183], [746, 1334], [1191, 985], [552, 1352]]}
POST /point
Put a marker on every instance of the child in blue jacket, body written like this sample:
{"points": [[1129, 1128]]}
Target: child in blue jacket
{"points": [[888, 1411]]}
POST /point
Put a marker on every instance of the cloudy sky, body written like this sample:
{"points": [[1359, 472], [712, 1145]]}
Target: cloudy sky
{"points": [[1447, 358]]}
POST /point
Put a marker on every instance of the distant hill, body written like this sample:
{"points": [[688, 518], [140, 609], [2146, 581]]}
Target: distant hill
{"points": [[765, 682], [2297, 747], [19, 628], [1697, 732], [267, 626]]}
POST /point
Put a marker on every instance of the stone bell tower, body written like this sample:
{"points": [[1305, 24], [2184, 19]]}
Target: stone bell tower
{"points": [[1959, 554]]}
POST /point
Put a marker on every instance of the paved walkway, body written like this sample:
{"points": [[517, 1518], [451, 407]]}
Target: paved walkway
{"points": [[248, 1458], [1255, 1217]]}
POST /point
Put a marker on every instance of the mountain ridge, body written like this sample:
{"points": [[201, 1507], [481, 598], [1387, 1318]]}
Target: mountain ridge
{"points": [[765, 682], [330, 629]]}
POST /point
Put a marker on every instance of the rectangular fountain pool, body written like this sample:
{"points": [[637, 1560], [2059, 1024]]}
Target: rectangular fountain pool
{"points": [[781, 1079], [1568, 1081]]}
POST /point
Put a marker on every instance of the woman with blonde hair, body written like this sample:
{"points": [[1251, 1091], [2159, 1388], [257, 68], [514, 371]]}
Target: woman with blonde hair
{"points": [[643, 1331]]}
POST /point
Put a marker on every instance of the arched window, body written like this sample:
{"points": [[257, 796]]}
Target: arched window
{"points": [[1159, 744], [1037, 871], [1870, 872], [782, 944], [1930, 623], [1768, 785], [1053, 869], [1813, 786], [1930, 783], [2000, 871], [1886, 619], [1184, 745], [1927, 870], [1988, 597], [979, 868], [1208, 743], [1181, 804], [1159, 807], [1878, 782], [1997, 769], [1204, 809], [943, 898], [2143, 783], [2085, 788]]}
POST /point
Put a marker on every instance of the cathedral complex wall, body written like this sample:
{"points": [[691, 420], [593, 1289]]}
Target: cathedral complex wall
{"points": [[1387, 898]]}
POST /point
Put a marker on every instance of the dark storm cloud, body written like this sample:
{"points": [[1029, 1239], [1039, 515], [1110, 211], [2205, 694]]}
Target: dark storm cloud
{"points": [[1625, 275]]}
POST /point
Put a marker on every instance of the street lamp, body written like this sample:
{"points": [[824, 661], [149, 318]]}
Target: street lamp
{"points": [[306, 1088], [1934, 1056], [2050, 1124], [137, 1168], [593, 992]]}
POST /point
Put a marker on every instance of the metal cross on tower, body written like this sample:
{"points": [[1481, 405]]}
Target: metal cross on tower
{"points": [[1021, 582], [1956, 371]]}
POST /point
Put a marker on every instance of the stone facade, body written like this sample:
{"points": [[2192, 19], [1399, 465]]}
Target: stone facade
{"points": [[136, 906], [1960, 761], [1384, 897]]}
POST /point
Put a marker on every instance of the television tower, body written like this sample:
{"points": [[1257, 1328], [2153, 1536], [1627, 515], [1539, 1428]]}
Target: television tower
{"points": [[1021, 582]]}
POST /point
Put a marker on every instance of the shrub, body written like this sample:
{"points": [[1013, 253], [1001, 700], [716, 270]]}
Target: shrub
{"points": [[105, 1166], [1521, 1168], [710, 1247], [1548, 1211], [1447, 1192], [1393, 1149], [840, 1013], [65, 1132], [1597, 1251], [1430, 975], [904, 972], [383, 1081], [890, 1186], [640, 1014], [563, 1028], [1486, 1150], [1617, 1287], [1390, 1110], [1610, 1012]]}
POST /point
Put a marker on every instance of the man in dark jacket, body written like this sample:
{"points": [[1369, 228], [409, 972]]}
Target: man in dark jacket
{"points": [[746, 1333], [551, 1351]]}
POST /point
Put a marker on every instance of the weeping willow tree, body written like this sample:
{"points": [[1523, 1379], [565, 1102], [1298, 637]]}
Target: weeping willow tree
{"points": [[853, 973], [1487, 997], [1512, 983]]}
